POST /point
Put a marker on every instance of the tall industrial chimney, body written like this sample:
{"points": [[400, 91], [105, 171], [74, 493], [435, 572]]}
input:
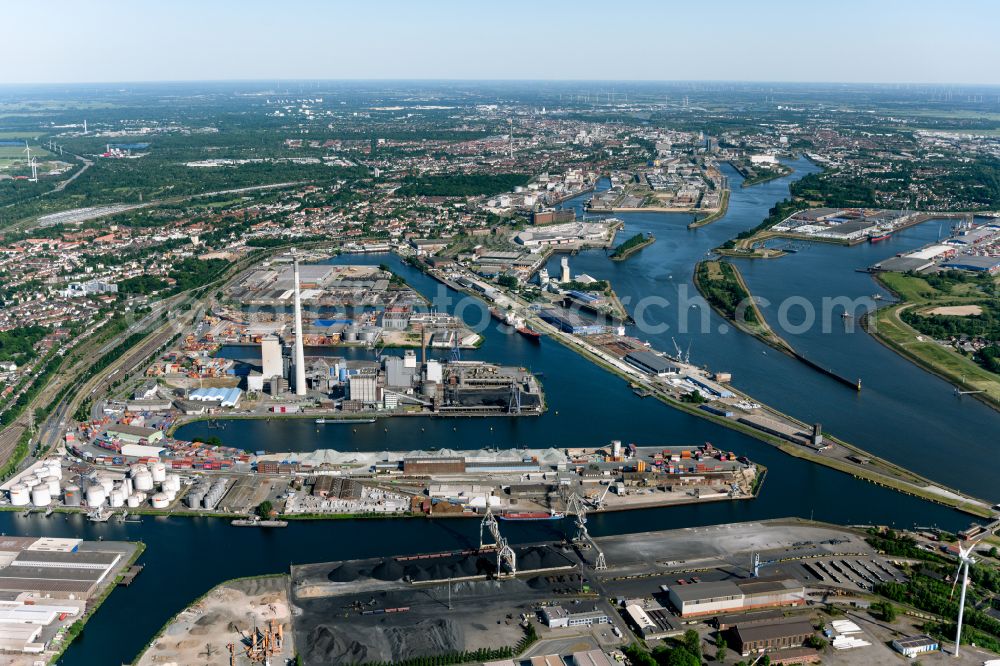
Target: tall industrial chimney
{"points": [[299, 358]]}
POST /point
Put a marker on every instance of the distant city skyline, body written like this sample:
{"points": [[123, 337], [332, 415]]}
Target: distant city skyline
{"points": [[890, 41]]}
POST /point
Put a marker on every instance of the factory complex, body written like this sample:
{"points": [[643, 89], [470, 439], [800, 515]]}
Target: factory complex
{"points": [[46, 585]]}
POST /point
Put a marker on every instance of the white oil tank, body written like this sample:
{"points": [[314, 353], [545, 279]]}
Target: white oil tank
{"points": [[107, 483], [52, 483], [136, 468], [160, 501], [616, 448], [159, 472], [170, 493], [134, 501], [29, 480], [53, 468], [143, 481], [172, 482], [20, 495], [40, 495], [95, 495], [117, 498], [127, 486]]}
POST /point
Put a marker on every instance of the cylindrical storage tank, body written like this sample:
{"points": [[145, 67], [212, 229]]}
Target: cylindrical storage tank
{"points": [[369, 334], [160, 501], [107, 483], [429, 389], [117, 498], [350, 334], [136, 468], [170, 493], [29, 480], [159, 472], [53, 485], [143, 481], [172, 482], [134, 501], [71, 496], [40, 495], [95, 495], [53, 468], [20, 495], [127, 486]]}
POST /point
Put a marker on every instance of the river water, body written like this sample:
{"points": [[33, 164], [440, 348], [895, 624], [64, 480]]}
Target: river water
{"points": [[903, 414]]}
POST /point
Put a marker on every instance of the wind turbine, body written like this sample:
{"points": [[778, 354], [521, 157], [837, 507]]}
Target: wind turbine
{"points": [[964, 561]]}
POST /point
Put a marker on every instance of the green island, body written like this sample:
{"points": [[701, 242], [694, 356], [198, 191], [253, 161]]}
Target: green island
{"points": [[947, 323], [631, 246], [722, 285]]}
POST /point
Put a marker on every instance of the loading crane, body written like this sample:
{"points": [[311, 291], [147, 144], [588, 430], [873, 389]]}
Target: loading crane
{"points": [[504, 552], [597, 501], [576, 507], [756, 564]]}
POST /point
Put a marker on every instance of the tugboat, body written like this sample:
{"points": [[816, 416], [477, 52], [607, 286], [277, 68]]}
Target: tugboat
{"points": [[878, 239]]}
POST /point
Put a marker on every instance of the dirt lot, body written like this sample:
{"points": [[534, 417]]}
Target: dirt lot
{"points": [[957, 310], [227, 614]]}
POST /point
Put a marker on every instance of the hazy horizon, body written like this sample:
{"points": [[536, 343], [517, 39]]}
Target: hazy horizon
{"points": [[781, 41]]}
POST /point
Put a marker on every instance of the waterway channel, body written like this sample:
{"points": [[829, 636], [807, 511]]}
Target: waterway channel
{"points": [[587, 407]]}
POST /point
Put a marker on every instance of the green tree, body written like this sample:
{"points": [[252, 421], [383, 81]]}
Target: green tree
{"points": [[720, 648], [264, 509], [692, 641]]}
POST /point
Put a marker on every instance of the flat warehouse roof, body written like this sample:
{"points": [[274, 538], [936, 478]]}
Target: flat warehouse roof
{"points": [[764, 632], [38, 585], [69, 559], [52, 573], [706, 591]]}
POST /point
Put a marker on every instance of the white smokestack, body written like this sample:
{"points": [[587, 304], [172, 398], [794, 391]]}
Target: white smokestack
{"points": [[299, 358]]}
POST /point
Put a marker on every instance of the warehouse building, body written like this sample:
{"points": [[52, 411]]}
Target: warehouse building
{"points": [[557, 616], [570, 322], [134, 434], [652, 364], [760, 637], [911, 646], [727, 596]]}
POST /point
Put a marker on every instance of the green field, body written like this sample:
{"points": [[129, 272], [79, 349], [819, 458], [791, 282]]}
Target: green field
{"points": [[917, 294]]}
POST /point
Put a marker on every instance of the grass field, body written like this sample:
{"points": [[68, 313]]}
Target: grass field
{"points": [[942, 360]]}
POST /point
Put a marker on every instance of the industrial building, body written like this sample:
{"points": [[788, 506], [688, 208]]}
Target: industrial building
{"points": [[727, 596], [763, 636], [652, 364], [557, 616], [225, 397], [53, 568], [133, 434], [911, 646], [570, 322]]}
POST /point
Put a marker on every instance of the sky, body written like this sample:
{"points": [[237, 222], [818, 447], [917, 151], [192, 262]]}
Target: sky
{"points": [[882, 41]]}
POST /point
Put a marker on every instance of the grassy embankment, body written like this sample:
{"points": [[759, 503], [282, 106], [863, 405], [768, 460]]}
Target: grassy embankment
{"points": [[919, 297], [631, 246], [721, 284]]}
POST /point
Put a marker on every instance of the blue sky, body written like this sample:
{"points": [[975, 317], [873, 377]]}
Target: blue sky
{"points": [[761, 40]]}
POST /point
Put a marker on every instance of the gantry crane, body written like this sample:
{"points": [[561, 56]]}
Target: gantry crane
{"points": [[576, 507], [504, 552]]}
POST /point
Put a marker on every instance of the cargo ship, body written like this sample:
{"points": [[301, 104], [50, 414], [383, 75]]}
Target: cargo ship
{"points": [[529, 332], [496, 314], [878, 239], [343, 421], [532, 515]]}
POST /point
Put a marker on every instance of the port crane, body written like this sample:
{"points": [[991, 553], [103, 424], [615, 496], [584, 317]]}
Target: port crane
{"points": [[259, 645], [683, 357], [504, 552], [575, 506], [756, 564], [597, 501]]}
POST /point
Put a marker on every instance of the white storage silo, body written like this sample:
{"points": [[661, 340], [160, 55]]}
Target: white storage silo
{"points": [[134, 501], [107, 483], [159, 472], [29, 480], [52, 483], [160, 501], [143, 481], [95, 495], [53, 468], [117, 498], [20, 495], [40, 495]]}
